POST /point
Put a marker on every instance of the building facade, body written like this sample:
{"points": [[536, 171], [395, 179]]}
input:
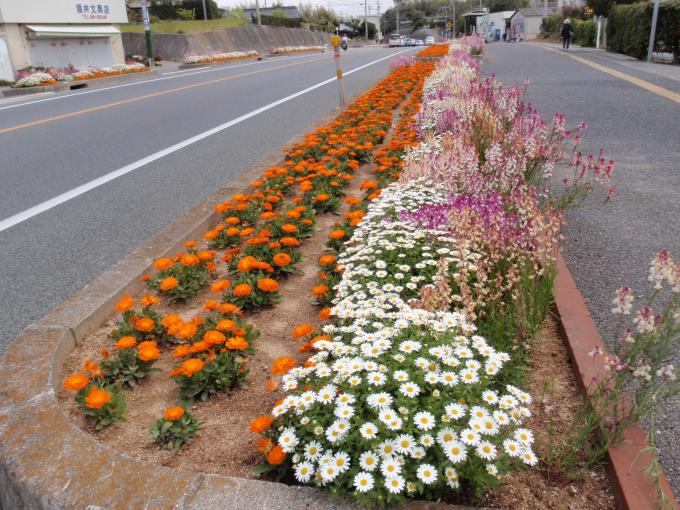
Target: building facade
{"points": [[60, 33]]}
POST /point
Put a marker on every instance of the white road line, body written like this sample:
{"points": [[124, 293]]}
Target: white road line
{"points": [[142, 82], [184, 70], [95, 183]]}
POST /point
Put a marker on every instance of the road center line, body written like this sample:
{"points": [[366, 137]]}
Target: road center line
{"points": [[643, 84], [106, 106], [95, 183]]}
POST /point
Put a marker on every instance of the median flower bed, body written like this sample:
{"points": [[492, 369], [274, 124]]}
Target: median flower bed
{"points": [[52, 76], [279, 50], [394, 351], [218, 57]]}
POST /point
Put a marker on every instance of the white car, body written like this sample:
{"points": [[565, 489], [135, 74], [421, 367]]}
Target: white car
{"points": [[429, 40], [396, 40]]}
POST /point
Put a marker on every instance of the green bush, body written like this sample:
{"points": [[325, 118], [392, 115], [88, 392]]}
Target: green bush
{"points": [[585, 32], [628, 29], [551, 25], [277, 21]]}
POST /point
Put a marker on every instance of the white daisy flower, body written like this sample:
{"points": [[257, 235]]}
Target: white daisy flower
{"points": [[369, 461], [368, 430], [363, 482], [424, 420], [455, 451], [395, 485], [427, 474], [486, 450], [304, 472], [313, 450]]}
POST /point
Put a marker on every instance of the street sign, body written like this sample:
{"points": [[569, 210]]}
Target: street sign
{"points": [[335, 41], [589, 10]]}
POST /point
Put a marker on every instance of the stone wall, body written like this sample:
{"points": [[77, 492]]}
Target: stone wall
{"points": [[248, 37]]}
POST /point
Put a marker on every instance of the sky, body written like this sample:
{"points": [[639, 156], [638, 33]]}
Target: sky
{"points": [[341, 7]]}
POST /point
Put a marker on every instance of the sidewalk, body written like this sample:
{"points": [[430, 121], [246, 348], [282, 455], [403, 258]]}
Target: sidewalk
{"points": [[619, 61]]}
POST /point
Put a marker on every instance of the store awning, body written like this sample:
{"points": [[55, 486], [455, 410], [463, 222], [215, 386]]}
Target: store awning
{"points": [[42, 31]]}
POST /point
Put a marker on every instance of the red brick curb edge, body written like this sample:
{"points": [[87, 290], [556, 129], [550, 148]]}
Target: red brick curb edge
{"points": [[633, 488]]}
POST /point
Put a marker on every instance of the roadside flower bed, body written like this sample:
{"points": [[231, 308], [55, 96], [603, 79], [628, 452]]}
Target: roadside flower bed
{"points": [[435, 50], [240, 264], [295, 49], [54, 76], [218, 57], [411, 390]]}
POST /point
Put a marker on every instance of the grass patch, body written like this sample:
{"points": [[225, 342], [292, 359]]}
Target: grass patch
{"points": [[184, 27]]}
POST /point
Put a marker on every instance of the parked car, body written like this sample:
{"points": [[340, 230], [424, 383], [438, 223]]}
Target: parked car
{"points": [[420, 42], [429, 40], [397, 40]]}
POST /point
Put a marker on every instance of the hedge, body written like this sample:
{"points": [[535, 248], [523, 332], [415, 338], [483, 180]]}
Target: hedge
{"points": [[277, 21], [628, 29]]}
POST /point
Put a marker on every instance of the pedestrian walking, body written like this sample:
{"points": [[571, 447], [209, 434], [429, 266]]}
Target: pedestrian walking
{"points": [[566, 33]]}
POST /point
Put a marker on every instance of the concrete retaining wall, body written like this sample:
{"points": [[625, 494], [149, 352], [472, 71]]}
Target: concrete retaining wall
{"points": [[248, 37]]}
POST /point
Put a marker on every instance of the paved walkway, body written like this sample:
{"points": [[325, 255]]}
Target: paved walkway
{"points": [[610, 245]]}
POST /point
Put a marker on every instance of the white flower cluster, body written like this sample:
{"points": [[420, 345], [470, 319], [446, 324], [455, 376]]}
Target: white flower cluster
{"points": [[218, 57], [91, 71], [34, 80], [400, 401]]}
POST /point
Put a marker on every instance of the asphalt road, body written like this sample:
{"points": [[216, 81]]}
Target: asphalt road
{"points": [[607, 246], [52, 144]]}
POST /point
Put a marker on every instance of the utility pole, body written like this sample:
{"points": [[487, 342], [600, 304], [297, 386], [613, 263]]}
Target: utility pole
{"points": [[545, 8], [257, 12], [366, 18], [205, 12], [396, 5], [453, 28], [652, 34], [379, 27], [147, 33]]}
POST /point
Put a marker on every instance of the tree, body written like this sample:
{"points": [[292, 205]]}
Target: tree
{"points": [[319, 16], [278, 13], [359, 28]]}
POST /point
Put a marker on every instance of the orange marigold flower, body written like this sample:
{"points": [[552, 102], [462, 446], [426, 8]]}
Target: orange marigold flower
{"points": [[236, 343], [282, 259], [192, 366], [307, 222], [105, 353], [325, 313], [190, 260], [352, 200], [145, 277], [242, 290], [161, 264], [282, 365], [268, 215], [263, 445], [149, 300], [305, 347], [211, 266], [320, 290], [267, 285], [276, 455], [199, 346], [206, 255], [145, 324], [210, 235], [126, 342], [187, 331], [302, 330], [289, 228], [181, 351], [337, 234], [293, 215], [232, 220], [173, 413], [233, 231], [225, 325], [239, 331], [169, 283], [214, 337], [210, 304], [76, 382], [170, 320], [289, 241], [261, 423], [271, 385], [190, 244], [247, 263], [148, 351], [97, 398], [125, 303], [229, 308], [322, 197], [275, 245], [327, 260]]}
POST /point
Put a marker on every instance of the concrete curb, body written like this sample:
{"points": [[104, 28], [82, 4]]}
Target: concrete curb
{"points": [[633, 488], [217, 64]]}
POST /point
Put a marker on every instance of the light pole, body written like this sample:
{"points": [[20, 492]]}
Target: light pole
{"points": [[396, 6], [366, 18], [205, 13], [652, 34]]}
